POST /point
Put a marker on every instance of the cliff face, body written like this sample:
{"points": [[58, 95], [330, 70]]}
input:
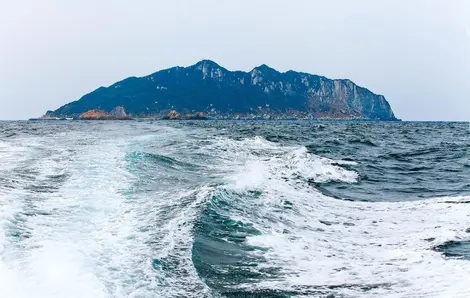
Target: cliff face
{"points": [[209, 88]]}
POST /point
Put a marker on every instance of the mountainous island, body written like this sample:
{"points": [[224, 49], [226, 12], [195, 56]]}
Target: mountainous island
{"points": [[208, 91]]}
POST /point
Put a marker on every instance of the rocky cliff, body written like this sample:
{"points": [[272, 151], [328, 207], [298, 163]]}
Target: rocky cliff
{"points": [[219, 93]]}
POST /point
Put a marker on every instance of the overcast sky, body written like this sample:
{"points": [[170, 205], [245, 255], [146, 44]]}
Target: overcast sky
{"points": [[415, 52]]}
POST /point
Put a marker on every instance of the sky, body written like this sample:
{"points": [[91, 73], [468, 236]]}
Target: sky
{"points": [[414, 52]]}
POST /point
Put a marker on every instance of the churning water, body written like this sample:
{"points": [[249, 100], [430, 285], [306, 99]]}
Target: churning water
{"points": [[234, 209]]}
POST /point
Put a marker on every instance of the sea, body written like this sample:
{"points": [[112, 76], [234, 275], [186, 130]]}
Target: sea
{"points": [[234, 209]]}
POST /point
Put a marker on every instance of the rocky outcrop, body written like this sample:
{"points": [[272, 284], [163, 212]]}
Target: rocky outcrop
{"points": [[172, 115], [219, 93], [196, 116], [95, 115], [119, 113]]}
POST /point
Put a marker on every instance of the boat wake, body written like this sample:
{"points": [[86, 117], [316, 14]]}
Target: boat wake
{"points": [[150, 210]]}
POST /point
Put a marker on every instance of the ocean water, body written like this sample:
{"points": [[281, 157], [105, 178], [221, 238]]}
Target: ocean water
{"points": [[234, 209]]}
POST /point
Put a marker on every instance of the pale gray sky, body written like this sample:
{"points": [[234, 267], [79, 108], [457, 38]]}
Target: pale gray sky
{"points": [[415, 52]]}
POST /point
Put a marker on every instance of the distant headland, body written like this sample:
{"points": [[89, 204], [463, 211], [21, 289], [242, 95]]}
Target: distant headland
{"points": [[208, 91]]}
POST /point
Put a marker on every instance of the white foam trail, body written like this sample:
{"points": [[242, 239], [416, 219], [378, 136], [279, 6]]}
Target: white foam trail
{"points": [[95, 235], [175, 243], [58, 257], [263, 159], [319, 241], [14, 173]]}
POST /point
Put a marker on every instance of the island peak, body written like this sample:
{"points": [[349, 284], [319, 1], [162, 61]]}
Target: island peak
{"points": [[217, 93]]}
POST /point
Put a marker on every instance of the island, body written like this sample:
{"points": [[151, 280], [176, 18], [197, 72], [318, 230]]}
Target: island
{"points": [[206, 90]]}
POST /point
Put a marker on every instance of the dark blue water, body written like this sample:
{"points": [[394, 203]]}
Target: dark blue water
{"points": [[234, 209]]}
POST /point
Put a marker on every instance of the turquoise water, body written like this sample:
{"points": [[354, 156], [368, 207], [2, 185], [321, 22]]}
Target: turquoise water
{"points": [[234, 209]]}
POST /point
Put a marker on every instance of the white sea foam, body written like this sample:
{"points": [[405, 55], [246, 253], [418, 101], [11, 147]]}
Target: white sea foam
{"points": [[93, 234], [259, 160], [321, 242], [56, 256]]}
